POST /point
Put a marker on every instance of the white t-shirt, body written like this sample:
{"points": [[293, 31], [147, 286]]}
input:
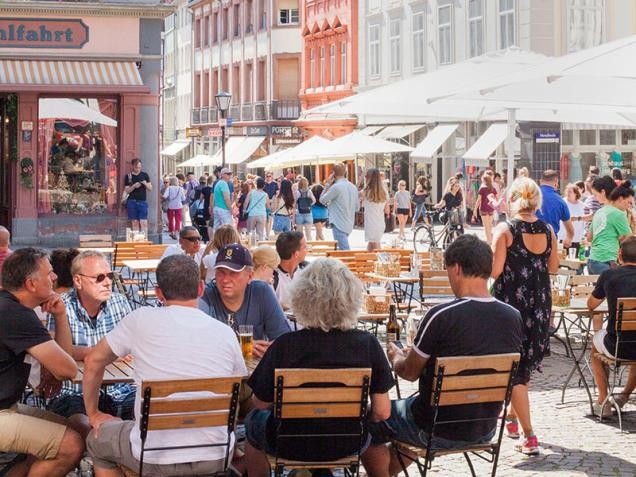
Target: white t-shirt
{"points": [[177, 342], [576, 210], [208, 262], [175, 249], [284, 286]]}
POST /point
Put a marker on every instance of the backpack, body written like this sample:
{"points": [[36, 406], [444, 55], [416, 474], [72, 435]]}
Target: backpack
{"points": [[304, 203]]}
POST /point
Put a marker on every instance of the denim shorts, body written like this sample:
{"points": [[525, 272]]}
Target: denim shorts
{"points": [[67, 406], [401, 427], [304, 219], [137, 209], [282, 223]]}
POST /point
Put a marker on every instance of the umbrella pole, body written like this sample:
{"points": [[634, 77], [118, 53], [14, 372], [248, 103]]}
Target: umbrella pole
{"points": [[512, 123]]}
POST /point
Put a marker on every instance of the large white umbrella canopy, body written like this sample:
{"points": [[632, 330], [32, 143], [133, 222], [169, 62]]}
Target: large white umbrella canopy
{"points": [[66, 108], [357, 143], [306, 153], [200, 160], [266, 161]]}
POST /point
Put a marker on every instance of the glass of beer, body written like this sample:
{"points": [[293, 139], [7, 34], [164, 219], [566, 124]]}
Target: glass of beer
{"points": [[245, 337]]}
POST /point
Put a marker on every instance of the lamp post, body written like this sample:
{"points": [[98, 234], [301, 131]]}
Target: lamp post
{"points": [[223, 104]]}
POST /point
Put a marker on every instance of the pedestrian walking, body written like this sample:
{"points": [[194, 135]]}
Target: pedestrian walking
{"points": [[403, 207], [136, 184], [484, 205], [304, 201], [419, 198], [341, 198], [319, 212], [374, 201], [256, 205], [283, 208], [174, 196]]}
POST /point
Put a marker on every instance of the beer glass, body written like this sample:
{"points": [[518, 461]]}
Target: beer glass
{"points": [[245, 338]]}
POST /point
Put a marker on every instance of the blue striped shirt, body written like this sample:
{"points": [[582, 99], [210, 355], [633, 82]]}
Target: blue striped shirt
{"points": [[87, 332]]}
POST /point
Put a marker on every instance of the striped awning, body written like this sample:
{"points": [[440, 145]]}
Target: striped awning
{"points": [[69, 73]]}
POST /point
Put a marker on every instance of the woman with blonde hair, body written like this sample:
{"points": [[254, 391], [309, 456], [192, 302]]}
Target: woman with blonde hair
{"points": [[525, 253], [265, 260], [374, 200], [223, 235], [326, 300], [485, 203], [304, 201]]}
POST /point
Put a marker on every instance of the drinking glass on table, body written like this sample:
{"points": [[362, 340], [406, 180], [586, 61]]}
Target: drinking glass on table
{"points": [[246, 339]]}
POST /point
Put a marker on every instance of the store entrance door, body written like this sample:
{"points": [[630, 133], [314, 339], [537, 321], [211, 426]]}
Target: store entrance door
{"points": [[8, 149]]}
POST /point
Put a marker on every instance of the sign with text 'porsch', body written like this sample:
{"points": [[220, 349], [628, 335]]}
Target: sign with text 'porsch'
{"points": [[42, 33]]}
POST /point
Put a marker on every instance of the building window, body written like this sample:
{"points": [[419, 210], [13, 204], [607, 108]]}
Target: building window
{"points": [[249, 6], [587, 137], [628, 137], [507, 36], [332, 63], [236, 17], [215, 27], [395, 30], [445, 34], [374, 50], [312, 67], [288, 16], [197, 33], [567, 137], [262, 15], [206, 30], [77, 159], [585, 24], [419, 40], [607, 137], [322, 66], [475, 27], [343, 62], [225, 25]]}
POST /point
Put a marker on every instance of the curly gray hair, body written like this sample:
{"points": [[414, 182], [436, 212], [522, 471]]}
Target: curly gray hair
{"points": [[327, 295]]}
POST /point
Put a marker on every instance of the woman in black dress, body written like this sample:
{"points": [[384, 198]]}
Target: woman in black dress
{"points": [[525, 253]]}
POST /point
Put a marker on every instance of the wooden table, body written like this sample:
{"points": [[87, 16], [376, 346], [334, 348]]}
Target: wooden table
{"points": [[407, 280], [571, 264], [148, 265], [578, 307], [120, 371]]}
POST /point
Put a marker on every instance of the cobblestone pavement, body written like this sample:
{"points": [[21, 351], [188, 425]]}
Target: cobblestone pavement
{"points": [[572, 442]]}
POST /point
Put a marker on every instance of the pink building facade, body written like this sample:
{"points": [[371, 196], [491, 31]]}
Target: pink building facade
{"points": [[77, 104]]}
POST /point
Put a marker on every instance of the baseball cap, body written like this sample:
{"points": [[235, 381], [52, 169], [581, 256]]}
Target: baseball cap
{"points": [[234, 257], [226, 170]]}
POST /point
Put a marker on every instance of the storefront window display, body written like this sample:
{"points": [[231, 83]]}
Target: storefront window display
{"points": [[77, 156]]}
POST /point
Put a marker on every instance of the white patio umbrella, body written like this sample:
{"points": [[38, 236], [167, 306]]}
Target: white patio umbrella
{"points": [[66, 108], [306, 153], [266, 161], [200, 160], [356, 143]]}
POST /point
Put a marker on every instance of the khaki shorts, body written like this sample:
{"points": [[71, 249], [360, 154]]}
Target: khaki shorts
{"points": [[30, 430], [112, 447]]}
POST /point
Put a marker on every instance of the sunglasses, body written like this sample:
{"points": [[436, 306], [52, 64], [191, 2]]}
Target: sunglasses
{"points": [[99, 278], [192, 239]]}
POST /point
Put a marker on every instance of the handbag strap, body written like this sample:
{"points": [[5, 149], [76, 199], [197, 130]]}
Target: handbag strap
{"points": [[249, 209]]}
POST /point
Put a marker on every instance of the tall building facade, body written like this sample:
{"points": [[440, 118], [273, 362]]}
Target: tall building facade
{"points": [[329, 62], [251, 49]]}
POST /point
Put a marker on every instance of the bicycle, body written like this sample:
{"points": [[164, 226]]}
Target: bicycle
{"points": [[425, 237]]}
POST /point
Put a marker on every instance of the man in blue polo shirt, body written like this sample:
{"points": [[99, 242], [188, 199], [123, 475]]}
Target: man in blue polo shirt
{"points": [[553, 208]]}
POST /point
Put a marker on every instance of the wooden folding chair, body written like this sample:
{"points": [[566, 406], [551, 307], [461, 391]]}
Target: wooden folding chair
{"points": [[319, 394], [625, 334], [434, 288], [160, 411], [465, 380]]}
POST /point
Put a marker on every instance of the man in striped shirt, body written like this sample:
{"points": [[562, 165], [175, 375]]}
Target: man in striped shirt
{"points": [[473, 324], [93, 310]]}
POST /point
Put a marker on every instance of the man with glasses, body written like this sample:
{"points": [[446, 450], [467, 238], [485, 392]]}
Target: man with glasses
{"points": [[189, 244], [93, 310], [271, 188], [221, 200]]}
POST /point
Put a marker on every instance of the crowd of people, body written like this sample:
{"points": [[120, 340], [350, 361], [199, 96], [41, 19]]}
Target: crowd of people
{"points": [[61, 310]]}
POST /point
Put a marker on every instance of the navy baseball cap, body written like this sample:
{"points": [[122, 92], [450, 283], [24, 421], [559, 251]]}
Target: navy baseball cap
{"points": [[233, 257]]}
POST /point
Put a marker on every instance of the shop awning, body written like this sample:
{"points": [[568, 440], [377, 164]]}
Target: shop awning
{"points": [[200, 160], [398, 132], [479, 152], [175, 148], [427, 149], [371, 130], [69, 73], [243, 150]]}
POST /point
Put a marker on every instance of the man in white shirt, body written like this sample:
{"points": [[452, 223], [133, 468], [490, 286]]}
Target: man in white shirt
{"points": [[189, 244], [292, 249], [341, 198], [176, 341]]}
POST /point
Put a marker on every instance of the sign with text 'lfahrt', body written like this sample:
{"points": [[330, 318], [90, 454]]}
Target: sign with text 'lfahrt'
{"points": [[43, 33]]}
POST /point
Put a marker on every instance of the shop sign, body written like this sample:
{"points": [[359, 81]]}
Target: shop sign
{"points": [[42, 33], [193, 132], [215, 132], [287, 140], [256, 131], [547, 137], [286, 131]]}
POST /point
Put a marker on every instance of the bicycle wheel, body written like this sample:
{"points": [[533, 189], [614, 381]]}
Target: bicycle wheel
{"points": [[451, 235], [423, 239]]}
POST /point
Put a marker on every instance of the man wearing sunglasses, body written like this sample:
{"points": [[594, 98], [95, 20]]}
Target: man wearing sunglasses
{"points": [[92, 310], [189, 244]]}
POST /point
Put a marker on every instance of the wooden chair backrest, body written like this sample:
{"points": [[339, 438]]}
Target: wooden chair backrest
{"points": [[148, 252], [434, 273], [167, 412], [130, 251], [589, 280], [473, 379], [95, 241], [321, 393], [581, 291], [626, 314], [436, 285]]}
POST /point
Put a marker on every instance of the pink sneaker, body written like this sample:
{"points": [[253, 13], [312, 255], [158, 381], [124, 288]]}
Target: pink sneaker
{"points": [[512, 429], [530, 446]]}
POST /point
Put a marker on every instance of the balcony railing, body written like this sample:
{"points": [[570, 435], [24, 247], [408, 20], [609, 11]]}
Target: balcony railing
{"points": [[247, 112], [204, 116], [260, 111], [285, 109]]}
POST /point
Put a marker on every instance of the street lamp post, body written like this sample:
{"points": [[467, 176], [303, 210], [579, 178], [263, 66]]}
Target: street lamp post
{"points": [[223, 104]]}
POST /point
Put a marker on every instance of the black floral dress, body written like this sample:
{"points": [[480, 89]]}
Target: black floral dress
{"points": [[525, 285]]}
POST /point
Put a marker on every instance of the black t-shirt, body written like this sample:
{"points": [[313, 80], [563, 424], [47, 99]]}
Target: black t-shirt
{"points": [[313, 348], [20, 329], [612, 284], [206, 191], [140, 192], [452, 201], [463, 327]]}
